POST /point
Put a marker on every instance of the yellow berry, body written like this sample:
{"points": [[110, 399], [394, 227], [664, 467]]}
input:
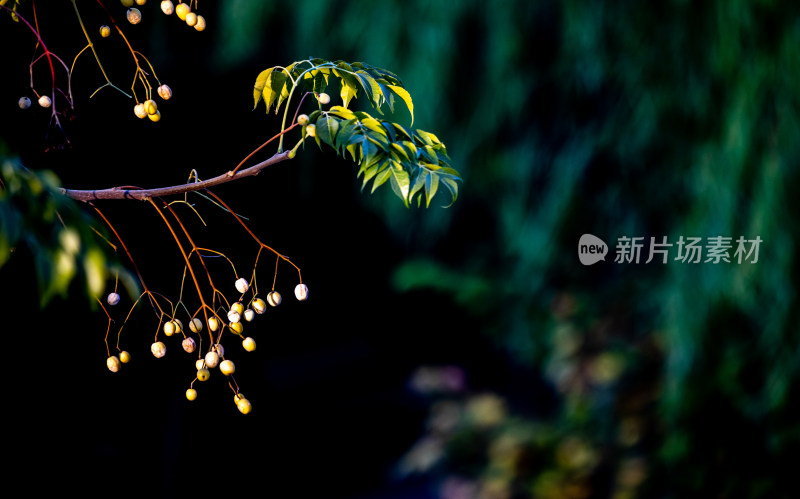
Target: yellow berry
{"points": [[274, 298], [241, 285], [126, 3], [191, 394], [311, 130], [134, 16], [112, 363], [236, 327], [44, 101], [212, 359], [105, 31], [181, 10], [233, 316], [199, 364], [155, 117], [324, 98], [249, 344], [191, 18], [302, 120], [124, 357], [259, 306], [178, 325], [169, 328], [139, 111], [237, 307], [150, 106], [227, 368], [244, 406], [141, 2], [213, 323], [196, 325], [203, 374], [164, 92], [201, 23], [249, 314]]}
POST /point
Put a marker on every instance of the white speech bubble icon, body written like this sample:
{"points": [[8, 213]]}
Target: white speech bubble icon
{"points": [[591, 249]]}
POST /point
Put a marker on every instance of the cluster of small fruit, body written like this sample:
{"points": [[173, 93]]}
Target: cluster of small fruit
{"points": [[149, 108], [215, 357], [185, 14]]}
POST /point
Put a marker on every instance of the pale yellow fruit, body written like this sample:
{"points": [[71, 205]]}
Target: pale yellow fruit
{"points": [[203, 374], [249, 344], [324, 98], [44, 101], [249, 314], [244, 406], [227, 368], [112, 299], [113, 363], [167, 7], [181, 10], [236, 327], [105, 31], [242, 285], [159, 349], [139, 111], [201, 23], [126, 3], [212, 359], [274, 298], [124, 357], [164, 92], [169, 328], [219, 349], [237, 307], [141, 2], [191, 394], [311, 130], [213, 323], [155, 117], [302, 120], [301, 292], [259, 306], [233, 316], [200, 364], [178, 325], [196, 325], [150, 106], [191, 18]]}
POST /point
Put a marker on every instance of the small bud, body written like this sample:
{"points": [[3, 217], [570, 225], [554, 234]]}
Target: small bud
{"points": [[274, 298], [227, 368], [188, 345], [249, 314], [191, 18], [164, 92], [134, 16], [139, 111], [105, 31], [302, 120], [212, 359], [44, 101], [301, 292], [112, 299], [259, 306], [203, 374], [113, 363], [241, 285], [191, 394], [196, 325], [324, 98], [159, 349], [201, 23], [311, 130], [249, 344], [24, 103], [124, 357], [167, 7]]}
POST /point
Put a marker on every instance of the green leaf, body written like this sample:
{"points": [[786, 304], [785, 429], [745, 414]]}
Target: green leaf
{"points": [[431, 185], [403, 94], [327, 127], [258, 88], [278, 83], [385, 171], [348, 92], [400, 184], [372, 89]]}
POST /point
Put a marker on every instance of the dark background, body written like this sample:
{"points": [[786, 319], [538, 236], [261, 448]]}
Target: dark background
{"points": [[455, 353]]}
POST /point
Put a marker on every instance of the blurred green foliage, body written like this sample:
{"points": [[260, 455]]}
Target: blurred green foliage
{"points": [[617, 119]]}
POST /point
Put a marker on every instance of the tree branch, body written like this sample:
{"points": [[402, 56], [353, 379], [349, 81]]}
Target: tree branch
{"points": [[145, 194]]}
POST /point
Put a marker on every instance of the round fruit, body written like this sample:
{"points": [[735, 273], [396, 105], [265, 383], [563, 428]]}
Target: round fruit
{"points": [[164, 92], [191, 18], [113, 363], [126, 3], [212, 359], [188, 345], [159, 349], [324, 98], [213, 323], [237, 307], [178, 325], [236, 327], [167, 7], [155, 117], [150, 106], [44, 101], [301, 292], [302, 120], [249, 344], [241, 285], [134, 16], [244, 406], [227, 368], [219, 349], [196, 325], [201, 23], [105, 31], [191, 394], [112, 299], [311, 130], [141, 2], [233, 316], [238, 398], [124, 357], [249, 314], [181, 10], [169, 328], [274, 298], [24, 103], [203, 374], [200, 364], [139, 111], [259, 306]]}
